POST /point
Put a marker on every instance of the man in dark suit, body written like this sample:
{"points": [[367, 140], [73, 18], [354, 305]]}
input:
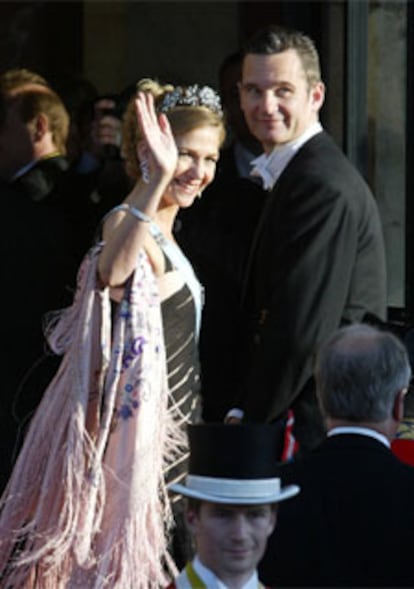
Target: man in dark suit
{"points": [[37, 248], [317, 259], [353, 523]]}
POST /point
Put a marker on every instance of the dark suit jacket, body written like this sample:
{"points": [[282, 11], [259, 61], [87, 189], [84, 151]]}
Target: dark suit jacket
{"points": [[39, 269], [317, 261], [352, 523]]}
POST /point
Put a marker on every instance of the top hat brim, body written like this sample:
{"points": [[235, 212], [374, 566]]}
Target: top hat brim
{"points": [[238, 496]]}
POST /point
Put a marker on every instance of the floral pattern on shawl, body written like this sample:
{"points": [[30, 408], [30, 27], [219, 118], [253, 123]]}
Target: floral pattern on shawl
{"points": [[87, 501]]}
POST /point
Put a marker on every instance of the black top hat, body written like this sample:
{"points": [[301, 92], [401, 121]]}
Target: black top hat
{"points": [[235, 464]]}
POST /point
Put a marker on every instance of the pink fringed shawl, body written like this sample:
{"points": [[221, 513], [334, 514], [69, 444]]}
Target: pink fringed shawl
{"points": [[86, 504]]}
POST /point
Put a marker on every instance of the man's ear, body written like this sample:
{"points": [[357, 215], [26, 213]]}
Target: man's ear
{"points": [[398, 407], [40, 126], [273, 519], [318, 95]]}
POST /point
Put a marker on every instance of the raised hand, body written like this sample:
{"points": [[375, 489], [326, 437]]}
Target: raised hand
{"points": [[158, 145]]}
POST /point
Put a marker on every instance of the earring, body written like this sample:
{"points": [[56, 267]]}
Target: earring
{"points": [[143, 165], [200, 194]]}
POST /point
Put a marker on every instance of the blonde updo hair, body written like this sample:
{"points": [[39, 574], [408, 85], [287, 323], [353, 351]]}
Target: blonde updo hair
{"points": [[181, 118]]}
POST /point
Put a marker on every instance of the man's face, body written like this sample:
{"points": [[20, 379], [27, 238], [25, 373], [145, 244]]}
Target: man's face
{"points": [[276, 99], [16, 145], [231, 540]]}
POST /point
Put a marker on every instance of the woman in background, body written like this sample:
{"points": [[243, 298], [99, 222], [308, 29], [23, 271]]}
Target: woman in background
{"points": [[86, 503]]}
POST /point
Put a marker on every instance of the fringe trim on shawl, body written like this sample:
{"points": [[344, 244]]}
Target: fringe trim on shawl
{"points": [[87, 505]]}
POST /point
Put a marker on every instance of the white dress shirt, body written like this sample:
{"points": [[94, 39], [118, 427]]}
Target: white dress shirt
{"points": [[209, 578], [270, 166]]}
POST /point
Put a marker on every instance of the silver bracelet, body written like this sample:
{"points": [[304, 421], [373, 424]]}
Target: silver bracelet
{"points": [[134, 211]]}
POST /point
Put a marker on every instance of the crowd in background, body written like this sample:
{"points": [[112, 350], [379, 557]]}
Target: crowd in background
{"points": [[286, 241]]}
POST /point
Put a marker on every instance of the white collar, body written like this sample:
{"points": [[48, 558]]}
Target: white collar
{"points": [[270, 166], [213, 582], [363, 431]]}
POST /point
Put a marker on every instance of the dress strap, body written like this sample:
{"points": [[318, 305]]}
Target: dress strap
{"points": [[178, 259]]}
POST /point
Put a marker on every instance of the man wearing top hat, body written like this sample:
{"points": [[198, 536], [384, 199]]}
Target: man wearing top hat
{"points": [[232, 492]]}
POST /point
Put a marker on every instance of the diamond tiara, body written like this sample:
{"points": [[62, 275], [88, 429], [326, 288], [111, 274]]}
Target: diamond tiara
{"points": [[191, 96]]}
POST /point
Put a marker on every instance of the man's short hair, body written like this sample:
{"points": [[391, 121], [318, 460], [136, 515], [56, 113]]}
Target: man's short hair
{"points": [[32, 95], [33, 99], [274, 39], [17, 77], [359, 371]]}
